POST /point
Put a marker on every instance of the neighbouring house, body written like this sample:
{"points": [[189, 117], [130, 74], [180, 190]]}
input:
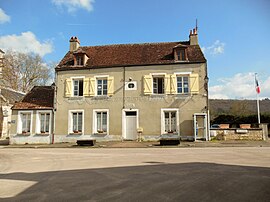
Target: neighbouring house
{"points": [[7, 98], [32, 117], [114, 92]]}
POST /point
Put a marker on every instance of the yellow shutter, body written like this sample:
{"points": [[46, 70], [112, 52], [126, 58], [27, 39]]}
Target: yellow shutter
{"points": [[110, 86], [86, 84], [92, 82], [167, 84], [148, 84], [194, 83], [173, 84], [68, 87]]}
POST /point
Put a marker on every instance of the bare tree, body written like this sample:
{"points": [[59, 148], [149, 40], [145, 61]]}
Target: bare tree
{"points": [[23, 71]]}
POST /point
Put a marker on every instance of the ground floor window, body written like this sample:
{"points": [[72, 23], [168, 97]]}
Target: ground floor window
{"points": [[101, 121], [76, 121], [170, 121], [24, 122], [44, 122]]}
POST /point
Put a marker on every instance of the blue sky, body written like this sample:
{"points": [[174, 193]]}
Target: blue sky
{"points": [[234, 34]]}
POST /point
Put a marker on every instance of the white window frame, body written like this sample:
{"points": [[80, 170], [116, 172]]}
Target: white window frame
{"points": [[101, 77], [158, 75], [72, 83], [182, 74], [163, 119], [38, 124], [182, 78], [19, 125], [70, 121], [95, 111]]}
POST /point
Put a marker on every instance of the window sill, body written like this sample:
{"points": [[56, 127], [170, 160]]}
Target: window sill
{"points": [[101, 97], [181, 96], [23, 134], [181, 61], [76, 98], [75, 133], [42, 134]]}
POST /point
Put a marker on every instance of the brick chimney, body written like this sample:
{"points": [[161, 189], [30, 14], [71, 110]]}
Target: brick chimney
{"points": [[74, 44], [193, 37]]}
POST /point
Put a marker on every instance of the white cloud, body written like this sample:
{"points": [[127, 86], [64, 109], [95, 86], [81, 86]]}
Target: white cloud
{"points": [[215, 49], [3, 17], [74, 5], [241, 85], [25, 43]]}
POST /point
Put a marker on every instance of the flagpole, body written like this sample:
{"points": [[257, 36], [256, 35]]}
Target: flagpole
{"points": [[258, 103], [258, 108]]}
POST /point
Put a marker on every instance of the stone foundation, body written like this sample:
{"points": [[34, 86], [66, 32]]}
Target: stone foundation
{"points": [[237, 134]]}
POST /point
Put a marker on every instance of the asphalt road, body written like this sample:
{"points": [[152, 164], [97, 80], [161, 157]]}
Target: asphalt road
{"points": [[135, 174]]}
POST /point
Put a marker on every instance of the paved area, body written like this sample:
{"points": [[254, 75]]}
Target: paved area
{"points": [[135, 174], [135, 144]]}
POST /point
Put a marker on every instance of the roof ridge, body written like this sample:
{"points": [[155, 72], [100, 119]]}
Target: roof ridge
{"points": [[131, 44]]}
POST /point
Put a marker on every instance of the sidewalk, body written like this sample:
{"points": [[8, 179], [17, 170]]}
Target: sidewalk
{"points": [[135, 144]]}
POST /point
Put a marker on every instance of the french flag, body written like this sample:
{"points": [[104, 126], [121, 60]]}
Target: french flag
{"points": [[258, 90]]}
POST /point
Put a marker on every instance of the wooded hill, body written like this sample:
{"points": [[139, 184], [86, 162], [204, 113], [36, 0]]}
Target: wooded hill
{"points": [[237, 107]]}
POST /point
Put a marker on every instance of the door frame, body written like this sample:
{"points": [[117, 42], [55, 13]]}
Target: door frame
{"points": [[205, 127], [124, 135]]}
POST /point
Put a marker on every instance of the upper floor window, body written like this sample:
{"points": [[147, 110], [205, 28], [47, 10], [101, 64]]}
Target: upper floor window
{"points": [[93, 86], [177, 83], [180, 54], [158, 85], [77, 87], [102, 86], [182, 84]]}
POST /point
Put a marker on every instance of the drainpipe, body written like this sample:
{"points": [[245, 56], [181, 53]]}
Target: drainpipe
{"points": [[124, 84], [54, 106], [206, 80]]}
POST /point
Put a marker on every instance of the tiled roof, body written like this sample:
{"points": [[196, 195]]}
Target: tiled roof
{"points": [[40, 97], [132, 55], [11, 96]]}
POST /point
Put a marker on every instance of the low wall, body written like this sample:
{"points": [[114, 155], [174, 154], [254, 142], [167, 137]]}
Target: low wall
{"points": [[237, 134]]}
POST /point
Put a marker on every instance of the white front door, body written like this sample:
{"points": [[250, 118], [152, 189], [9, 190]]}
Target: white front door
{"points": [[131, 125]]}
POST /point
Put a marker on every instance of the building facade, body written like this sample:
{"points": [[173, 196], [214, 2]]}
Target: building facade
{"points": [[32, 117], [115, 92]]}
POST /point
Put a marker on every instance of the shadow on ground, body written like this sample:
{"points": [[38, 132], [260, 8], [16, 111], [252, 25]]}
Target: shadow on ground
{"points": [[155, 182]]}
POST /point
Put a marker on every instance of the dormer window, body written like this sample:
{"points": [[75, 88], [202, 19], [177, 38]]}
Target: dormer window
{"points": [[80, 57], [79, 60], [180, 54]]}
